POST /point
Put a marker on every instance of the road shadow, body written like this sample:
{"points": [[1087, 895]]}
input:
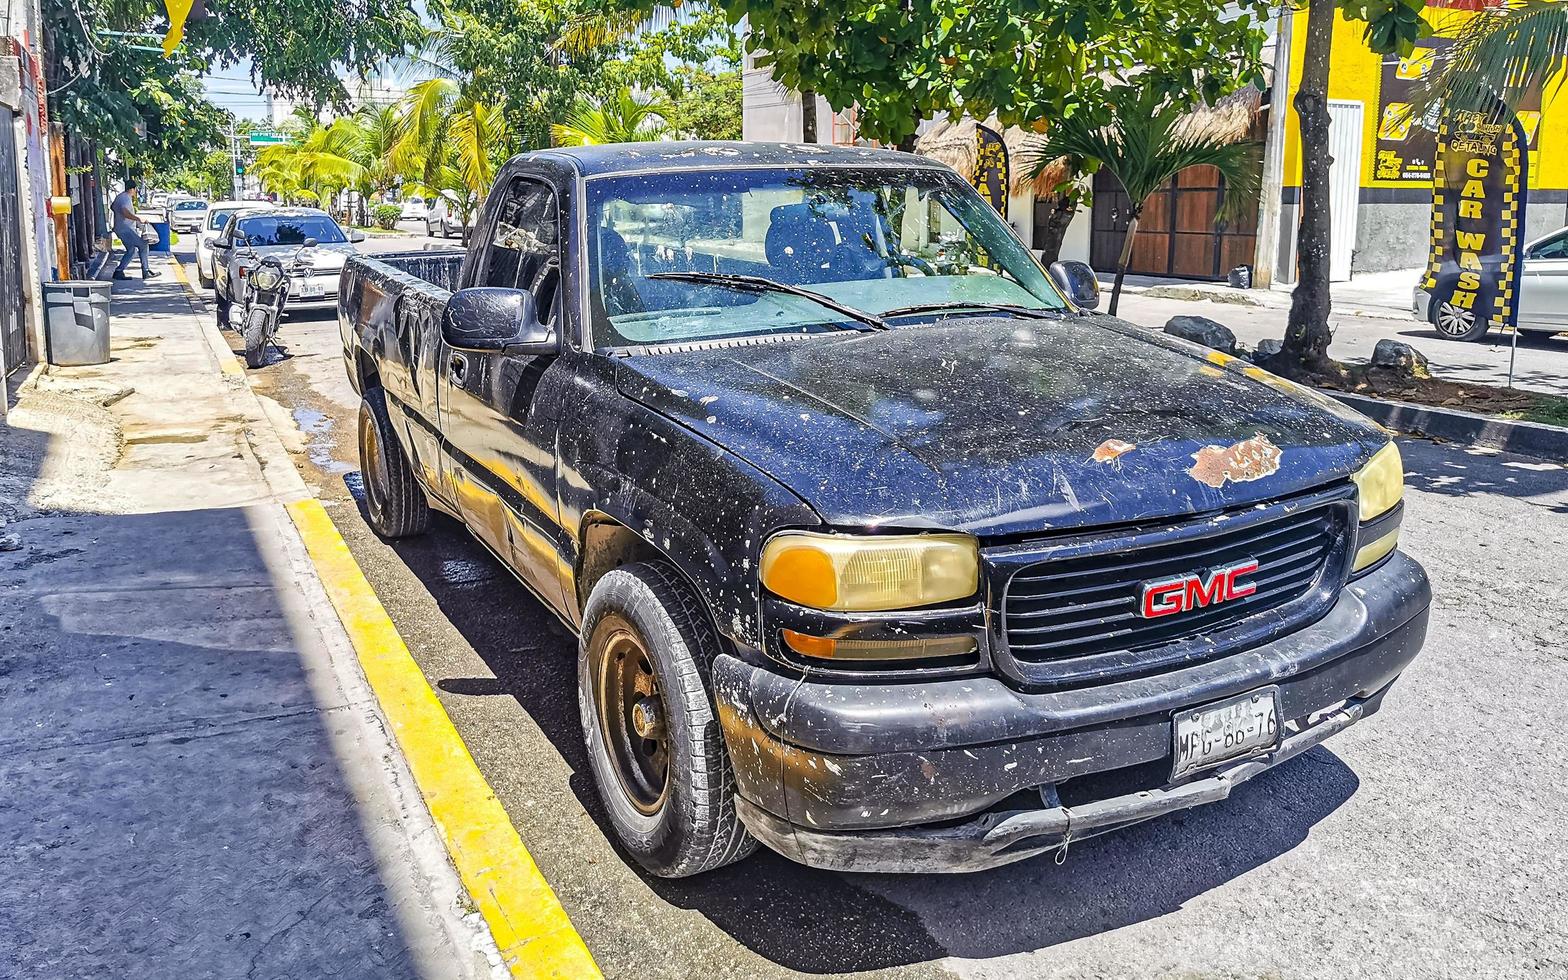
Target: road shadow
{"points": [[1455, 471], [821, 922]]}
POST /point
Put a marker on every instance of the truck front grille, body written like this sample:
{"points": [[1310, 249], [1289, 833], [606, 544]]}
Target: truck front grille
{"points": [[1079, 607]]}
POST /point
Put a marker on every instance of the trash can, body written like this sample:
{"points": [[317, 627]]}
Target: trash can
{"points": [[76, 322], [165, 242]]}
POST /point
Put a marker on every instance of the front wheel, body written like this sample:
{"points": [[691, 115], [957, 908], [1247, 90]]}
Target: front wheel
{"points": [[1458, 323], [224, 306], [257, 330], [654, 744]]}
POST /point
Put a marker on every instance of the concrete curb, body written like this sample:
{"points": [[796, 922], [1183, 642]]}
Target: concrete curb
{"points": [[1548, 442]]}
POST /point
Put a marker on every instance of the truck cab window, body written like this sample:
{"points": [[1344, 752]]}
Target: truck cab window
{"points": [[524, 251]]}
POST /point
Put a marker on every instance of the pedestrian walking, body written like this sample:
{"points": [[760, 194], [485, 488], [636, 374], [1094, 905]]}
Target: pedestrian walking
{"points": [[127, 225]]}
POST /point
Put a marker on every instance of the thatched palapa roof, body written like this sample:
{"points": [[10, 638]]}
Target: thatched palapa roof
{"points": [[954, 143]]}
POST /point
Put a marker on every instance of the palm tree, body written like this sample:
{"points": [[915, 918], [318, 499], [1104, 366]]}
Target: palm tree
{"points": [[1147, 142], [621, 118], [447, 131], [1502, 55]]}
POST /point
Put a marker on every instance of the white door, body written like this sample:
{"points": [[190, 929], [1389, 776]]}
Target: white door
{"points": [[1344, 184], [1543, 294]]}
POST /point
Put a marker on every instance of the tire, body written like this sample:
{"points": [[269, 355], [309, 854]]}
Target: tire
{"points": [[393, 497], [644, 620], [224, 306], [203, 279], [429, 232], [1458, 323], [255, 338]]}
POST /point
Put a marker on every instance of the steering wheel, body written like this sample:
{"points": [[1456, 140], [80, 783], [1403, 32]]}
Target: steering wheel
{"points": [[913, 261]]}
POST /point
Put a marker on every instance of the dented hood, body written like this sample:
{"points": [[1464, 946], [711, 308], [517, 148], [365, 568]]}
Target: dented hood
{"points": [[997, 425]]}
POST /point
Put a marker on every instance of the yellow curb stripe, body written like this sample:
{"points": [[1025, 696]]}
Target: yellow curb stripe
{"points": [[535, 936]]}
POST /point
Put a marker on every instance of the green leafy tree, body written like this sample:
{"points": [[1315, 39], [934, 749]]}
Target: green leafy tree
{"points": [[622, 118], [902, 61], [1148, 141], [708, 105]]}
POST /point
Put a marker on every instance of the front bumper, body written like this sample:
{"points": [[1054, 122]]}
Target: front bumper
{"points": [[954, 774]]}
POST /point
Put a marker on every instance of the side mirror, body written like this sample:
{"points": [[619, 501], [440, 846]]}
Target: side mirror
{"points": [[356, 235], [310, 243], [1078, 282], [488, 319]]}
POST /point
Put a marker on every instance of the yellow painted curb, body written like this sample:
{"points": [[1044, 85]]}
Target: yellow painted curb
{"points": [[535, 936]]}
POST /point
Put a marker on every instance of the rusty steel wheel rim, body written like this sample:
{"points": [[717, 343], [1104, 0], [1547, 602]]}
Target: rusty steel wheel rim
{"points": [[632, 718], [373, 461]]}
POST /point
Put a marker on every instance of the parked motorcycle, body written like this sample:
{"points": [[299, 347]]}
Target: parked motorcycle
{"points": [[266, 296]]}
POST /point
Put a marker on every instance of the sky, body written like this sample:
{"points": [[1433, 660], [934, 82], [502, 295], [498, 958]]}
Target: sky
{"points": [[232, 89]]}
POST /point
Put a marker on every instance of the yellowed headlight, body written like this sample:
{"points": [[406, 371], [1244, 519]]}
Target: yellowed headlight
{"points": [[867, 574], [1381, 482]]}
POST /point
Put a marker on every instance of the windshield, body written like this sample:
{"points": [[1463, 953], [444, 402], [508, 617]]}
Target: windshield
{"points": [[191, 206], [290, 229], [875, 239]]}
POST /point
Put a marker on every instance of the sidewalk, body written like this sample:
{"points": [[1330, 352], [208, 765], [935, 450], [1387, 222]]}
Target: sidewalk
{"points": [[195, 780], [1376, 294]]}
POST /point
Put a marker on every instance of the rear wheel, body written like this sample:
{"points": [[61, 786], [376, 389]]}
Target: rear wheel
{"points": [[256, 331], [397, 505], [1458, 323], [654, 744], [203, 278]]}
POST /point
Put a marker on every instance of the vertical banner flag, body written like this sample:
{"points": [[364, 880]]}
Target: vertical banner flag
{"points": [[1479, 181], [178, 11], [991, 177]]}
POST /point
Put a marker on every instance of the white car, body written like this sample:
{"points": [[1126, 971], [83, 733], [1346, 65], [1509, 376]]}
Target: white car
{"points": [[187, 214], [252, 235], [414, 208], [218, 215], [1542, 291], [443, 218]]}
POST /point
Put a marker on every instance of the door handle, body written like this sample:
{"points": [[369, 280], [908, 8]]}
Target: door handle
{"points": [[458, 367]]}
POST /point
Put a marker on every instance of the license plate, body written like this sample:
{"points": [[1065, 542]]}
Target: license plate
{"points": [[1241, 726], [308, 290]]}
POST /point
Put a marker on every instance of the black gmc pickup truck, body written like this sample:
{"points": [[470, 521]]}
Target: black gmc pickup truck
{"points": [[882, 550]]}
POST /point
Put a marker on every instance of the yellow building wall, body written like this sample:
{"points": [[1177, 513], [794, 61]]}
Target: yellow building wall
{"points": [[1355, 74]]}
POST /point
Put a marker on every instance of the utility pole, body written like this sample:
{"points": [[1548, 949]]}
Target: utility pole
{"points": [[234, 165], [1265, 259]]}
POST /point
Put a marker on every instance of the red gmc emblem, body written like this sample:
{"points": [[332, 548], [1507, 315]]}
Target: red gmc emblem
{"points": [[1169, 596]]}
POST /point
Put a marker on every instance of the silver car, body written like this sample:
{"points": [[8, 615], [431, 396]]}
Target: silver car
{"points": [[250, 235], [187, 214], [1543, 295]]}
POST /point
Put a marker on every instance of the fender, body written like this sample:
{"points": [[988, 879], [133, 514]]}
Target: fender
{"points": [[633, 464]]}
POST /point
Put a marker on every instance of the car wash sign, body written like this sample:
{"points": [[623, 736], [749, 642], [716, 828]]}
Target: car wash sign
{"points": [[991, 177], [1478, 193]]}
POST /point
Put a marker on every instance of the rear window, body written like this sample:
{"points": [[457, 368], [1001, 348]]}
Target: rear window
{"points": [[289, 229]]}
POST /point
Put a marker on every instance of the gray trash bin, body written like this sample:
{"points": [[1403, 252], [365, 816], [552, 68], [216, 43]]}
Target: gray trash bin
{"points": [[76, 322]]}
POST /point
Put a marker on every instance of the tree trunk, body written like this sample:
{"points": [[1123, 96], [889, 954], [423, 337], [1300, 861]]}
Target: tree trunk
{"points": [[1062, 209], [1124, 261], [1306, 334], [808, 116]]}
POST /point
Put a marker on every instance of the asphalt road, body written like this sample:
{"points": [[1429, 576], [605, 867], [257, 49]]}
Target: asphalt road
{"points": [[1424, 843]]}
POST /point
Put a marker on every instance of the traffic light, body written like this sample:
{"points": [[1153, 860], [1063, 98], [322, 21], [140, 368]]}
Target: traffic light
{"points": [[239, 168]]}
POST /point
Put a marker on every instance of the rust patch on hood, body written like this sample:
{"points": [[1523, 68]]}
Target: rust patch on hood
{"points": [[1112, 449], [1250, 459]]}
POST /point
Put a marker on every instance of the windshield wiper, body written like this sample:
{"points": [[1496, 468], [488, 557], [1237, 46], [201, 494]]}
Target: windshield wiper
{"points": [[760, 284], [1026, 311]]}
